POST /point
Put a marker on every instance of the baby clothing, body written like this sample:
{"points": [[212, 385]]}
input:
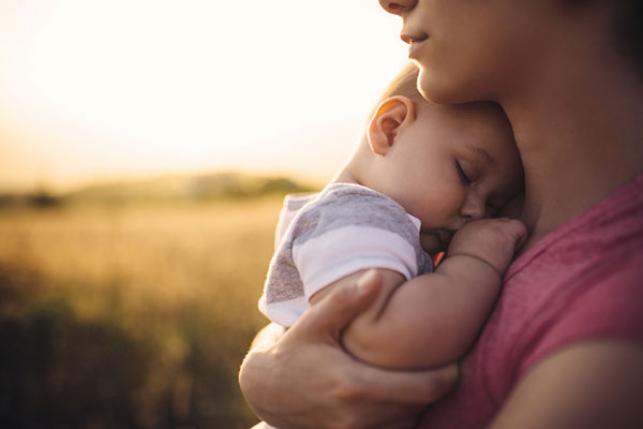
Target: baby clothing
{"points": [[344, 229], [323, 237]]}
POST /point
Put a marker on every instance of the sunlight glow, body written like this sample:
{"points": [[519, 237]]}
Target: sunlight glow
{"points": [[94, 88]]}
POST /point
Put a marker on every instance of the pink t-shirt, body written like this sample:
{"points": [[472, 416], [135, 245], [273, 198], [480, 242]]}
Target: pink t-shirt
{"points": [[583, 281]]}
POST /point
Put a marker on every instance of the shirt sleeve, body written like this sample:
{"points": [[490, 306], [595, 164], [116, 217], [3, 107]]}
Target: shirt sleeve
{"points": [[291, 206], [353, 231], [611, 307]]}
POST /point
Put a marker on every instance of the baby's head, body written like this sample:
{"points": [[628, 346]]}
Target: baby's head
{"points": [[445, 164]]}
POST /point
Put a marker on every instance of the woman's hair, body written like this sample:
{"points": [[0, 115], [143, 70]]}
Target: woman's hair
{"points": [[628, 31]]}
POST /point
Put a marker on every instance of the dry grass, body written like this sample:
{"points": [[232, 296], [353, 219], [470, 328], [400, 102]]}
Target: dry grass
{"points": [[133, 316]]}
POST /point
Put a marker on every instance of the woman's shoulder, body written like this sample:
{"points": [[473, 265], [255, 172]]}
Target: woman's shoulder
{"points": [[599, 235], [601, 303], [583, 282]]}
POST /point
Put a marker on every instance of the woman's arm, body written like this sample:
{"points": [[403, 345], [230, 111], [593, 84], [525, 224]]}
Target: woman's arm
{"points": [[304, 379], [597, 384]]}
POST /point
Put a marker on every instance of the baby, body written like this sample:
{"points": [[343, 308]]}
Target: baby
{"points": [[424, 178]]}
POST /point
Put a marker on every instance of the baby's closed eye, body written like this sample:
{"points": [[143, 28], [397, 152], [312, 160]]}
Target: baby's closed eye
{"points": [[466, 172]]}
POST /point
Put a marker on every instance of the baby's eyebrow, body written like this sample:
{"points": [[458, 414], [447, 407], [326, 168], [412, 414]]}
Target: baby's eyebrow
{"points": [[480, 153]]}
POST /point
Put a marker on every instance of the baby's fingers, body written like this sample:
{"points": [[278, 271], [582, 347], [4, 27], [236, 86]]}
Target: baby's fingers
{"points": [[515, 229]]}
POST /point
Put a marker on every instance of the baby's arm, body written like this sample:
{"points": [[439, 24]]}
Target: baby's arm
{"points": [[433, 319]]}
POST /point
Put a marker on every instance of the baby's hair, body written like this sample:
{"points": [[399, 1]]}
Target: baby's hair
{"points": [[405, 83]]}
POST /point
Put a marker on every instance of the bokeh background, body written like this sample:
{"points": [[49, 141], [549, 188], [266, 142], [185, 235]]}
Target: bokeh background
{"points": [[145, 147]]}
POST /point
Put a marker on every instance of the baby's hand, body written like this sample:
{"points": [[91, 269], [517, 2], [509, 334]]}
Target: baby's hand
{"points": [[492, 240]]}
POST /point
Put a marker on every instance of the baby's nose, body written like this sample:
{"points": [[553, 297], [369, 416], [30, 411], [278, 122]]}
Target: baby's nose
{"points": [[474, 208]]}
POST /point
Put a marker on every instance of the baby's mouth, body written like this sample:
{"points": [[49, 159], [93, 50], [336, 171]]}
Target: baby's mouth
{"points": [[445, 237]]}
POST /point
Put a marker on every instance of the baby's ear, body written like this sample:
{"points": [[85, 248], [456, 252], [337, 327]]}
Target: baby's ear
{"points": [[391, 115]]}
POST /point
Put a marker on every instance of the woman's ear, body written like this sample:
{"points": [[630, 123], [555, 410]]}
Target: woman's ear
{"points": [[391, 115]]}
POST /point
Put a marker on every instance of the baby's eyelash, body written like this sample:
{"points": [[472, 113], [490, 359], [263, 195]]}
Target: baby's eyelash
{"points": [[493, 209], [463, 176]]}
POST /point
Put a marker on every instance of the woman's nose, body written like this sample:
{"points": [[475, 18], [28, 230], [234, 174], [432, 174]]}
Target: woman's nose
{"points": [[398, 7]]}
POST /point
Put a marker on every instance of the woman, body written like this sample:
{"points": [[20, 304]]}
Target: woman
{"points": [[564, 346]]}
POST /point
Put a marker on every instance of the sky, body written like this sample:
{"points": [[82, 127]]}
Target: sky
{"points": [[97, 90]]}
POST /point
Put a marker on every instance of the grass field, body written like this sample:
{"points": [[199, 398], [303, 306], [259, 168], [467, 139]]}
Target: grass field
{"points": [[130, 315]]}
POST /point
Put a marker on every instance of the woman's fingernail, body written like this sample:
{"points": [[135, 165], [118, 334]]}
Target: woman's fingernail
{"points": [[363, 288], [365, 283]]}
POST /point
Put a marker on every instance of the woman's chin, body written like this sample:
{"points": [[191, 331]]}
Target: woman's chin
{"points": [[442, 88]]}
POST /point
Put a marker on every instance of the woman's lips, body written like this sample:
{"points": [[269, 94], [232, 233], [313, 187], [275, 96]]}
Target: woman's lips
{"points": [[414, 48], [415, 40]]}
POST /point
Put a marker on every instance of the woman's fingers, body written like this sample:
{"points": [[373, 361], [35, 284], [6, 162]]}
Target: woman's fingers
{"points": [[328, 318], [307, 380], [268, 336], [417, 387]]}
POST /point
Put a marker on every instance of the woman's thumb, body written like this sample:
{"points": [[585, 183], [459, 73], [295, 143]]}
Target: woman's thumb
{"points": [[331, 315]]}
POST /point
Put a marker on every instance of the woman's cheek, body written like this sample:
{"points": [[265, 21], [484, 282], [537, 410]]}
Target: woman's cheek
{"points": [[443, 83]]}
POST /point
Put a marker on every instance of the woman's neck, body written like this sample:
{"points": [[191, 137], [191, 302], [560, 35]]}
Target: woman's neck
{"points": [[580, 136]]}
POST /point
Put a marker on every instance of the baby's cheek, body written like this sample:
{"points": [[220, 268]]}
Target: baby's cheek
{"points": [[447, 207], [437, 203]]}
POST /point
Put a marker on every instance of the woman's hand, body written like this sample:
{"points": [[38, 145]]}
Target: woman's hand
{"points": [[304, 379]]}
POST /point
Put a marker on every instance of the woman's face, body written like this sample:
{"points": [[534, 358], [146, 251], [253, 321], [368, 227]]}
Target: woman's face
{"points": [[471, 50]]}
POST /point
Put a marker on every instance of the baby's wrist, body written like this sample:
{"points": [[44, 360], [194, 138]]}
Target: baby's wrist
{"points": [[495, 269]]}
